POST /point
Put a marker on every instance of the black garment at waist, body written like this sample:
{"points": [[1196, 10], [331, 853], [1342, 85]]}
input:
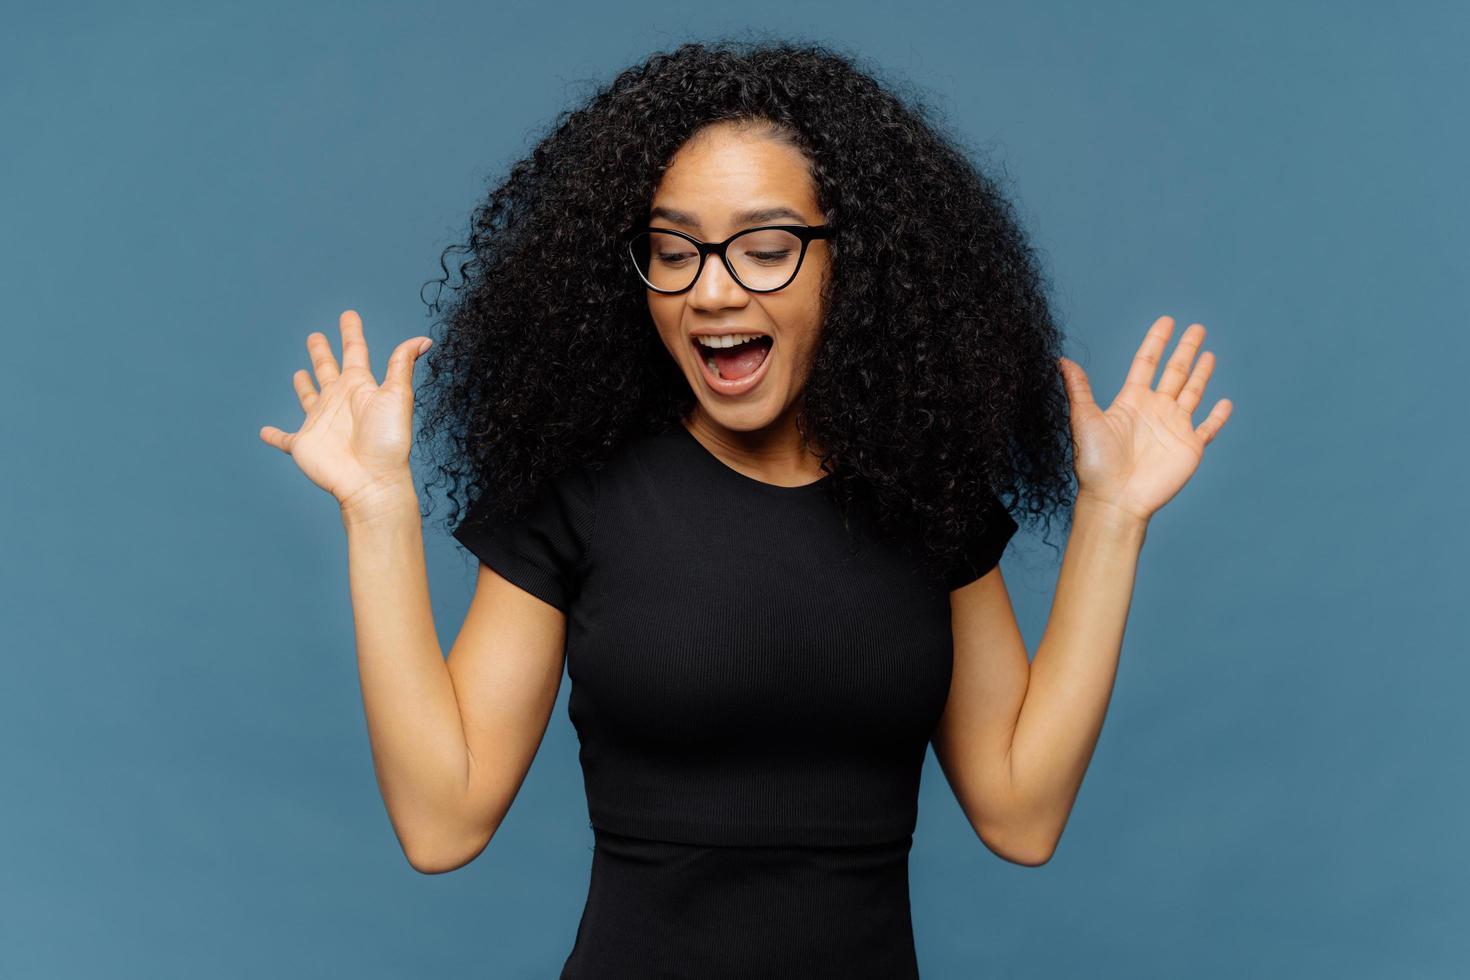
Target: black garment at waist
{"points": [[659, 910]]}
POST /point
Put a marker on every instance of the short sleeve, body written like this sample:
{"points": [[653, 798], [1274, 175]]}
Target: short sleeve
{"points": [[982, 553], [543, 551]]}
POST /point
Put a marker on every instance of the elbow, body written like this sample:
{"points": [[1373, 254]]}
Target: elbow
{"points": [[427, 863], [1030, 850], [1031, 857], [431, 856]]}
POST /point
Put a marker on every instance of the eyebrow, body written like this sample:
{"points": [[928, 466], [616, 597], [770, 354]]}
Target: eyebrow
{"points": [[750, 216]]}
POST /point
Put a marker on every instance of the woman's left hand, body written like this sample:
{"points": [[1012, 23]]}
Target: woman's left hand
{"points": [[1139, 453]]}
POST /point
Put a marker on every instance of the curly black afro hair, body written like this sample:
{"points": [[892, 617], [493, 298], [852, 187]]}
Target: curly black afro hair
{"points": [[935, 385]]}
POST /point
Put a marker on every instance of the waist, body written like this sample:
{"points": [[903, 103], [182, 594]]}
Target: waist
{"points": [[668, 909], [770, 871]]}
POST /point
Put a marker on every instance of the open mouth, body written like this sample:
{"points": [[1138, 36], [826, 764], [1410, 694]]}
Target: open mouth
{"points": [[732, 364]]}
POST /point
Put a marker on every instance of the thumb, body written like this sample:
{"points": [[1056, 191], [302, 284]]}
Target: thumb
{"points": [[399, 374], [1079, 392]]}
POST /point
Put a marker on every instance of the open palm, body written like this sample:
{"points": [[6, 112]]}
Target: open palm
{"points": [[1140, 452], [357, 433]]}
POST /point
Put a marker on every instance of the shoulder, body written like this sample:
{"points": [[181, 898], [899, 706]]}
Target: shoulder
{"points": [[982, 551], [545, 547]]}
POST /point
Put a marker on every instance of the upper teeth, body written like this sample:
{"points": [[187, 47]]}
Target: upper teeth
{"points": [[727, 340]]}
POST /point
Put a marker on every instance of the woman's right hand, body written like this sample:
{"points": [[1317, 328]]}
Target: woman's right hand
{"points": [[356, 436]]}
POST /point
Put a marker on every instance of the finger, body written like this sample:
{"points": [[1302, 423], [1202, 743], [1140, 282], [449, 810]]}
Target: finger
{"points": [[1079, 392], [276, 437], [1194, 388], [1146, 361], [323, 363], [1210, 427], [354, 345], [399, 374], [1176, 372], [306, 392]]}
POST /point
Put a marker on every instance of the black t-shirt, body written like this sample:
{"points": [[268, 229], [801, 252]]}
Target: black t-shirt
{"points": [[743, 670]]}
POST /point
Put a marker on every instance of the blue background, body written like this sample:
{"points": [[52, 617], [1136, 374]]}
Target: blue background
{"points": [[1281, 786]]}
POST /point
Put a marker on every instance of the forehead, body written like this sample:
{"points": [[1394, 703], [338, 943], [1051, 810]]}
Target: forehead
{"points": [[724, 170]]}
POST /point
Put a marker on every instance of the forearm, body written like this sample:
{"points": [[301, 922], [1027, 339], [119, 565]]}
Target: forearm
{"points": [[413, 719], [1072, 673]]}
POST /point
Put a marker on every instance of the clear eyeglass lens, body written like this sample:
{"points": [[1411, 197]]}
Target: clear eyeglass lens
{"points": [[765, 259]]}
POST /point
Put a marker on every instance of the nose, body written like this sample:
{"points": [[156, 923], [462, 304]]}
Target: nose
{"points": [[716, 288]]}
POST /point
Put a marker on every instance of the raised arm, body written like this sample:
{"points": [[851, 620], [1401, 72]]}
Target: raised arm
{"points": [[451, 741], [1016, 738]]}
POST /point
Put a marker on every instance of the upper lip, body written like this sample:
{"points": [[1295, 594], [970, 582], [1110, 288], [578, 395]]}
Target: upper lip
{"points": [[725, 331]]}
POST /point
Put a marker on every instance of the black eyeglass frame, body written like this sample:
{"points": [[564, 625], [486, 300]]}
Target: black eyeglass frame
{"points": [[804, 232]]}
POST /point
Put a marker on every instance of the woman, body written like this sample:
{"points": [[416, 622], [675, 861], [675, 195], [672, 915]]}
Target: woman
{"points": [[744, 358]]}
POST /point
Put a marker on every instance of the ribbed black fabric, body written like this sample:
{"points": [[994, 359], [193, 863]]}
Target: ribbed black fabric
{"points": [[659, 910], [745, 676]]}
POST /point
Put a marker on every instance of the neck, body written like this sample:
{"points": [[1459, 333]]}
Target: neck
{"points": [[773, 454]]}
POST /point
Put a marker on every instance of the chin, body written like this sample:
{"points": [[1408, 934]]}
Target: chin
{"points": [[744, 418]]}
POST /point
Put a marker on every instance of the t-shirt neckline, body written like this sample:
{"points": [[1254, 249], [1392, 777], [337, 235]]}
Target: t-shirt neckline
{"points": [[735, 476]]}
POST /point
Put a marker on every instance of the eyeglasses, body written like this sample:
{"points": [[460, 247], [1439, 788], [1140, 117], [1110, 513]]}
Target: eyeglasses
{"points": [[762, 259]]}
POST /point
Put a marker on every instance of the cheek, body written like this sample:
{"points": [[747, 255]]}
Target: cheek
{"points": [[666, 318], [801, 322]]}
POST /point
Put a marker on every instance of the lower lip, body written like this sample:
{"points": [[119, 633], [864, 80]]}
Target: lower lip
{"points": [[740, 385]]}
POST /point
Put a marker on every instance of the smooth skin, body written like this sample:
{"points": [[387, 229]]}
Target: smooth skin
{"points": [[724, 170], [1016, 738], [453, 738]]}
